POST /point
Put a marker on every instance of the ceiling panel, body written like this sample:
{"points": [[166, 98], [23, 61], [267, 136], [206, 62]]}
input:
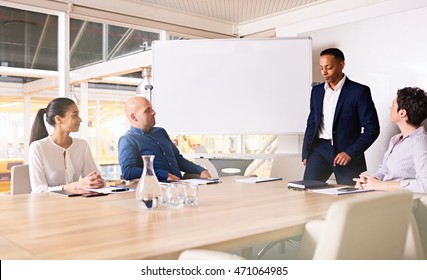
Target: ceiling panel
{"points": [[234, 11]]}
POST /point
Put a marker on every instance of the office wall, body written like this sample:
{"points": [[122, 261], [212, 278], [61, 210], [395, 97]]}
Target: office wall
{"points": [[386, 53]]}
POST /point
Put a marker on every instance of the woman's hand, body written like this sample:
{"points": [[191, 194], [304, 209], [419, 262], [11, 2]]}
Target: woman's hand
{"points": [[371, 182], [366, 182], [92, 181]]}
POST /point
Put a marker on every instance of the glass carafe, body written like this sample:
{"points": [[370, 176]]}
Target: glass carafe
{"points": [[148, 190]]}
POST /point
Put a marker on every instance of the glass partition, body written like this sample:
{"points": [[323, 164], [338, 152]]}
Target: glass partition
{"points": [[29, 40], [92, 42]]}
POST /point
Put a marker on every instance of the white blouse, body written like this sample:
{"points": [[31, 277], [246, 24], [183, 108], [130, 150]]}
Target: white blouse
{"points": [[52, 166], [406, 161]]}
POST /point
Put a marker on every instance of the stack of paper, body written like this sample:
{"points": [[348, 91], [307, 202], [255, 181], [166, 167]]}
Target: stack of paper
{"points": [[112, 189]]}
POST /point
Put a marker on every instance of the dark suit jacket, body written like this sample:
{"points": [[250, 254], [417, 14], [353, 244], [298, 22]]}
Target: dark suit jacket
{"points": [[355, 110]]}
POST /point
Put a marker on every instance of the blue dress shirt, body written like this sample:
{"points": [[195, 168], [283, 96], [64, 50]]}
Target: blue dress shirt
{"points": [[137, 142]]}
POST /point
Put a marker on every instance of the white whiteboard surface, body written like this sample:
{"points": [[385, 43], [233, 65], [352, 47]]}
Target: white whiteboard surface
{"points": [[232, 86]]}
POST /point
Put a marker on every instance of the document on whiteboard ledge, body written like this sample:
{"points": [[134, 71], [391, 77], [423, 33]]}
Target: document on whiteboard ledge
{"points": [[255, 180]]}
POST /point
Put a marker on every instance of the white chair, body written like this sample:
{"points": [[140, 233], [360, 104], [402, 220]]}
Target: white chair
{"points": [[20, 180], [200, 254], [416, 242], [230, 166], [205, 163], [421, 218], [364, 227], [288, 167]]}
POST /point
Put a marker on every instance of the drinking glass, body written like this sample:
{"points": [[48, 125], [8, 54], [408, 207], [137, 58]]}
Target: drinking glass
{"points": [[164, 202], [191, 194], [175, 195]]}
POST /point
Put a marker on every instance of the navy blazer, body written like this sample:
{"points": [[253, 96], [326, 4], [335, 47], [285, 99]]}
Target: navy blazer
{"points": [[355, 110]]}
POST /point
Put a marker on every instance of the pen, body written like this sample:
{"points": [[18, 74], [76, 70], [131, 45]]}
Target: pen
{"points": [[210, 179], [120, 190], [213, 182]]}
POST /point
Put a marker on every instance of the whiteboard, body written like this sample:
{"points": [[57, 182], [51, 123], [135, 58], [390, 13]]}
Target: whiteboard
{"points": [[232, 86]]}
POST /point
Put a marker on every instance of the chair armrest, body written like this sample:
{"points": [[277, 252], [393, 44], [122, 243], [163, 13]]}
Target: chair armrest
{"points": [[191, 176]]}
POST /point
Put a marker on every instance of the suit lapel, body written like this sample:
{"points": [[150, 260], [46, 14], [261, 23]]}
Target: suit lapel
{"points": [[320, 96], [343, 95]]}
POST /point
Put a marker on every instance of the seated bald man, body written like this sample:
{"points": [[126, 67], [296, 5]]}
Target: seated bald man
{"points": [[145, 139]]}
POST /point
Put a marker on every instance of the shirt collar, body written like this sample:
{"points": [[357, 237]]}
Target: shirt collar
{"points": [[419, 130], [338, 86], [141, 131]]}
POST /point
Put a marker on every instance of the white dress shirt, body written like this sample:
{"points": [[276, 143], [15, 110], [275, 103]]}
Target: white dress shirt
{"points": [[329, 104], [52, 166]]}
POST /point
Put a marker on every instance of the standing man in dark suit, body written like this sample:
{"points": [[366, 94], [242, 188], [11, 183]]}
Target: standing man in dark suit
{"points": [[339, 109]]}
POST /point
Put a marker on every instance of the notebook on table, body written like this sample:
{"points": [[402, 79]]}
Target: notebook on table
{"points": [[307, 185]]}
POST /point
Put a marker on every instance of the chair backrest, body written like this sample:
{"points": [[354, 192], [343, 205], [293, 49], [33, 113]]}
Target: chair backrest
{"points": [[13, 163], [288, 167], [413, 247], [230, 166], [20, 180], [366, 227], [421, 219], [199, 254], [205, 163]]}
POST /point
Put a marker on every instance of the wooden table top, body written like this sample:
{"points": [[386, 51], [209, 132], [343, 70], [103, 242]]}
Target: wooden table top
{"points": [[230, 216]]}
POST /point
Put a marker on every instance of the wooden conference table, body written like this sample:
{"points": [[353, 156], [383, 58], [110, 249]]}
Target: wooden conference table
{"points": [[229, 216]]}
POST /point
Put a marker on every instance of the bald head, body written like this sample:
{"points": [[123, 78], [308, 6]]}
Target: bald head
{"points": [[134, 103], [140, 113]]}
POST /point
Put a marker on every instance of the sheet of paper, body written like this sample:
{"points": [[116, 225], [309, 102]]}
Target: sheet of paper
{"points": [[202, 181], [254, 180], [335, 191], [112, 189]]}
